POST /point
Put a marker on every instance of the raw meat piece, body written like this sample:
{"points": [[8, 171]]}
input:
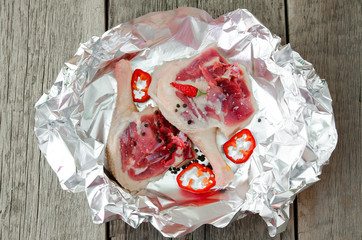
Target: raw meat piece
{"points": [[228, 105], [141, 146]]}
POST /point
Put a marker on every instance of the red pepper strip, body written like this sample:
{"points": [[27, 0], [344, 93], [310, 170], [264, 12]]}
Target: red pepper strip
{"points": [[196, 178], [143, 76], [188, 90], [234, 144]]}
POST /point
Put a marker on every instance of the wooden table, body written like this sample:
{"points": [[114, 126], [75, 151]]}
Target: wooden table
{"points": [[38, 36]]}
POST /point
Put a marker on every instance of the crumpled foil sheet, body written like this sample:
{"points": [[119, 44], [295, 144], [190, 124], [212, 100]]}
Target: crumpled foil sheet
{"points": [[294, 128]]}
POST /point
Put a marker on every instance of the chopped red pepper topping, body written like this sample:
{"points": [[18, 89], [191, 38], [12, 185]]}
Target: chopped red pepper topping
{"points": [[188, 90], [239, 148], [196, 178], [140, 84]]}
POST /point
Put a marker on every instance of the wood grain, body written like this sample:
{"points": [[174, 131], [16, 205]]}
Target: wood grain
{"points": [[329, 34], [271, 13], [37, 37], [119, 12]]}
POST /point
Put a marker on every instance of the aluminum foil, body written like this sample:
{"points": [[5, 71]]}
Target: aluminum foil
{"points": [[294, 128]]}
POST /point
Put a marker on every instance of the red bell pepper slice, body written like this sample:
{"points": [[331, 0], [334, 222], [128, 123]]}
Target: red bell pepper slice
{"points": [[188, 90], [239, 148], [140, 83], [196, 178]]}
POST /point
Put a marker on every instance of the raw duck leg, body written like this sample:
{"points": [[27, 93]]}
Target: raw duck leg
{"points": [[141, 146], [228, 105]]}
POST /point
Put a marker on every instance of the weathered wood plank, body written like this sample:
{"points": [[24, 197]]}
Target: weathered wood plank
{"points": [[37, 37], [328, 34], [123, 11], [271, 13], [122, 231]]}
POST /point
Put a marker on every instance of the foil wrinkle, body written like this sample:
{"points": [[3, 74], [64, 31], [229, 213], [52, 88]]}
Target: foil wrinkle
{"points": [[294, 128]]}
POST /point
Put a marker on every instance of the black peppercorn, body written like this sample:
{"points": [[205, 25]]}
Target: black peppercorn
{"points": [[172, 150], [209, 166], [178, 105], [189, 122], [184, 105]]}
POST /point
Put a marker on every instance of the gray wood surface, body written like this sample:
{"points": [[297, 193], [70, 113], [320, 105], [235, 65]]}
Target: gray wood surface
{"points": [[36, 38], [329, 34]]}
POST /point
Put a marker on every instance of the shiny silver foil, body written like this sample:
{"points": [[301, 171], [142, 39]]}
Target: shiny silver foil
{"points": [[294, 128]]}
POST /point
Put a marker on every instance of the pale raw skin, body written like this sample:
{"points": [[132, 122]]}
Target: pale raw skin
{"points": [[201, 132], [125, 113]]}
